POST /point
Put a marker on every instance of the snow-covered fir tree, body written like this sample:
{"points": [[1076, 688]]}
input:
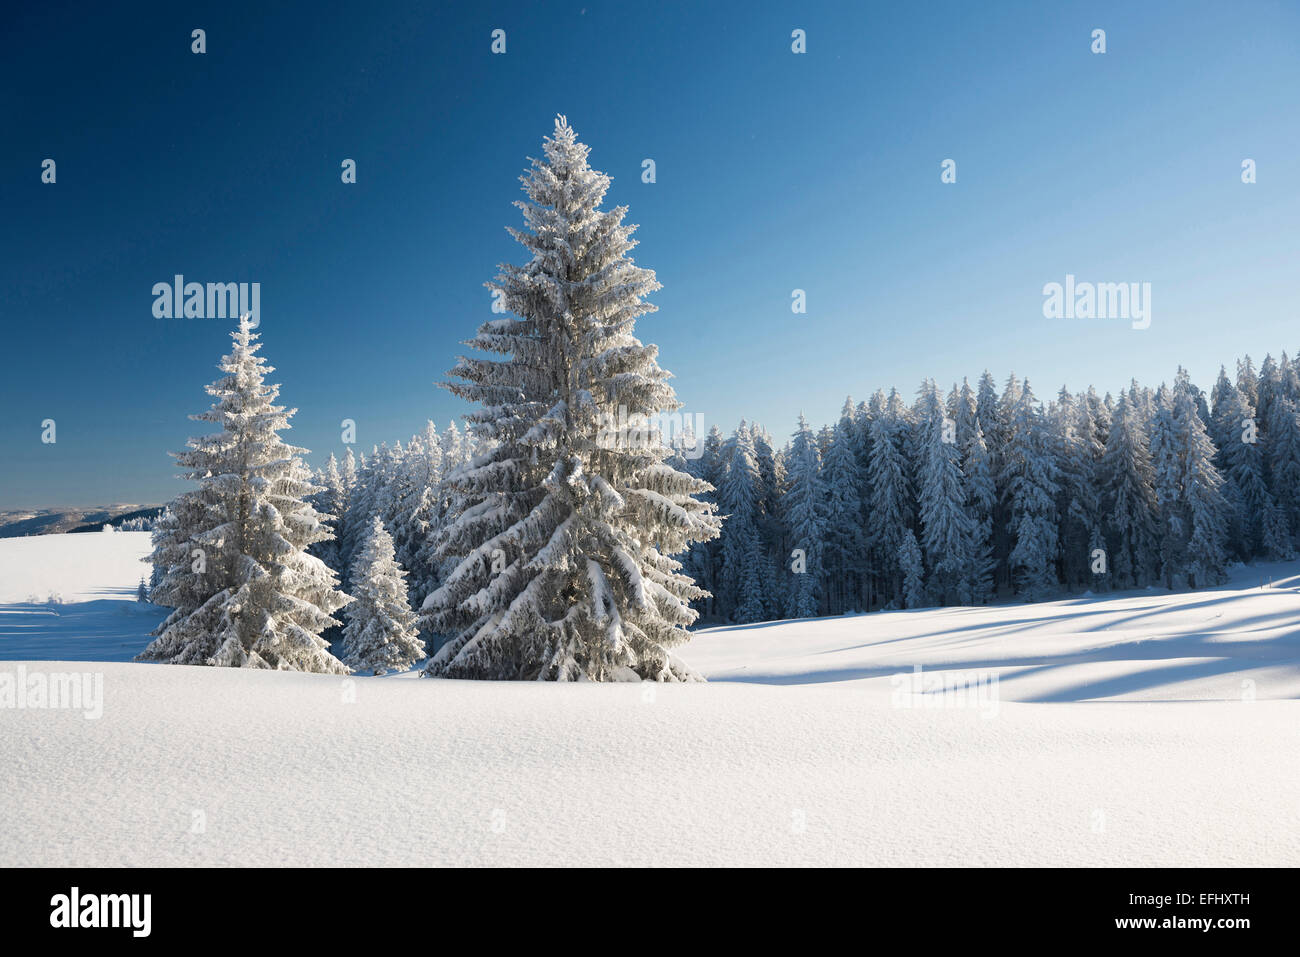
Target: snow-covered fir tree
{"points": [[1284, 458], [1240, 458], [330, 503], [1248, 381], [1201, 495], [342, 534], [739, 498], [703, 562], [986, 409], [1269, 389], [380, 635], [162, 531], [1276, 542], [980, 494], [946, 527], [890, 510], [844, 556], [1077, 450], [416, 512], [999, 438], [1171, 529], [1030, 480], [363, 504], [913, 570], [805, 514], [771, 475], [244, 589], [1129, 497], [566, 539]]}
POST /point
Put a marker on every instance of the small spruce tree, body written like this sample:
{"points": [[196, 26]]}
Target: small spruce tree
{"points": [[381, 634]]}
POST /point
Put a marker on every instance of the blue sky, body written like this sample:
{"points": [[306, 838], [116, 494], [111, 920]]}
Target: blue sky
{"points": [[775, 171]]}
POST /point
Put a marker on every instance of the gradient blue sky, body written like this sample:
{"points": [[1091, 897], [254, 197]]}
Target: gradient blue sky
{"points": [[775, 171]]}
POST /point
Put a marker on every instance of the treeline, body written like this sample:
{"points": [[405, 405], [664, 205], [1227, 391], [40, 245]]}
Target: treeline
{"points": [[552, 546], [406, 488], [977, 494], [960, 497]]}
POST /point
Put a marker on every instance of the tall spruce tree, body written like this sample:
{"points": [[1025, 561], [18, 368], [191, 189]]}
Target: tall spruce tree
{"points": [[1076, 451], [946, 527], [770, 531], [1129, 497], [329, 502], [805, 511], [1284, 458], [891, 506], [703, 562], [1200, 489], [565, 545], [1248, 381], [416, 515], [1241, 460], [845, 553], [1171, 530], [980, 494], [999, 436], [1030, 480], [739, 497]]}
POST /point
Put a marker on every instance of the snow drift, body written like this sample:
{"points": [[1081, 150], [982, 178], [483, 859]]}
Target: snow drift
{"points": [[1139, 729]]}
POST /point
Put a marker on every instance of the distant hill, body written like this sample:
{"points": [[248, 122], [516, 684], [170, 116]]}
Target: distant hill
{"points": [[53, 521], [151, 511]]}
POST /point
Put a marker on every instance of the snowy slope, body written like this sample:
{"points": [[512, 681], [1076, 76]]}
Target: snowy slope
{"points": [[71, 597], [1223, 644], [85, 567], [801, 750]]}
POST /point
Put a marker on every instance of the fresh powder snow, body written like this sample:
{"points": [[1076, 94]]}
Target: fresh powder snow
{"points": [[1141, 728]]}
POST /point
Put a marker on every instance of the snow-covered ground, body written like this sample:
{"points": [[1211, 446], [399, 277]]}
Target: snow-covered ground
{"points": [[1240, 641], [1144, 729], [72, 597]]}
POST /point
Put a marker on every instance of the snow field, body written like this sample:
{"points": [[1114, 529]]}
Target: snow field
{"points": [[1120, 735]]}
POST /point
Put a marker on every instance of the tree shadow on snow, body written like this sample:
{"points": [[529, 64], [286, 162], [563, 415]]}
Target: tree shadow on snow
{"points": [[106, 629]]}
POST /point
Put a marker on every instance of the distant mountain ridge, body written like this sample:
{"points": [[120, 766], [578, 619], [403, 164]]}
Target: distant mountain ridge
{"points": [[15, 523]]}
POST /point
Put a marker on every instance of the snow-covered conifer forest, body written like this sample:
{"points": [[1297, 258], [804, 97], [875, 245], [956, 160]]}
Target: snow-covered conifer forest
{"points": [[540, 614], [538, 543], [1025, 500]]}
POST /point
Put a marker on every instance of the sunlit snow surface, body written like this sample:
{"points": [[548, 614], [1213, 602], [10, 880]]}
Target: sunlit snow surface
{"points": [[1144, 729]]}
